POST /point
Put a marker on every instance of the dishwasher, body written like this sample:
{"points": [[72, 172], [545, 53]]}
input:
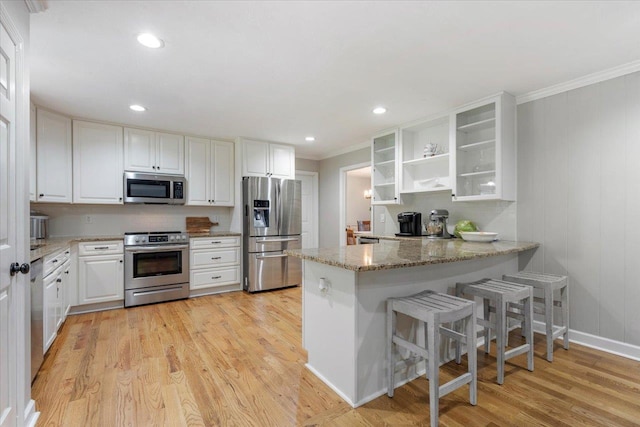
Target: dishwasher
{"points": [[37, 295]]}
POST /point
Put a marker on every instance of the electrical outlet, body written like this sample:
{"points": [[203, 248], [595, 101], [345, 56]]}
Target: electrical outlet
{"points": [[382, 217], [214, 218], [88, 219]]}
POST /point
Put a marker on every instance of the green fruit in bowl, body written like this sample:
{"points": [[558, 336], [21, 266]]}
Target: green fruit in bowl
{"points": [[464, 225]]}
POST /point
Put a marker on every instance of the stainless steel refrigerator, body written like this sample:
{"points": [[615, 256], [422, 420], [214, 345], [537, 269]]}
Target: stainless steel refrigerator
{"points": [[272, 224]]}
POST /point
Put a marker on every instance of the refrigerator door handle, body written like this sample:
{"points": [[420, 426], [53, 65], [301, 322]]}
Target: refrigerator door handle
{"points": [[271, 256]]}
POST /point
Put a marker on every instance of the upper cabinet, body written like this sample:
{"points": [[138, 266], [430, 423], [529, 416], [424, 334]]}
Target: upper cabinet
{"points": [[33, 129], [209, 172], [265, 159], [424, 156], [384, 177], [155, 152], [482, 138], [53, 157], [97, 163]]}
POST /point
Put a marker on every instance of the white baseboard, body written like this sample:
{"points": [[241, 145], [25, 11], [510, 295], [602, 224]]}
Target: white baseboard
{"points": [[331, 386], [30, 414]]}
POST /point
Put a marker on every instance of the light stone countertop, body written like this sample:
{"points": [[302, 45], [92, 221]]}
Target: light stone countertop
{"points": [[216, 234], [408, 252]]}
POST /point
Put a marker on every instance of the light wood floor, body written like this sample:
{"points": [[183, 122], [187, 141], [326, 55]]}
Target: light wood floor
{"points": [[236, 360]]}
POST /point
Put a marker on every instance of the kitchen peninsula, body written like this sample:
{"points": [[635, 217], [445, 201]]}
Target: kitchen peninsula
{"points": [[344, 300]]}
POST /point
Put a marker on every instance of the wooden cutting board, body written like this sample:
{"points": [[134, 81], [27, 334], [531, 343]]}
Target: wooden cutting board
{"points": [[199, 224]]}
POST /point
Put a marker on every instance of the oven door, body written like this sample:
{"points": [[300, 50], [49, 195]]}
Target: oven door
{"points": [[147, 266]]}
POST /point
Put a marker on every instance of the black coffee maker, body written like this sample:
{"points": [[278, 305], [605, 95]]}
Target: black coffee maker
{"points": [[410, 224]]}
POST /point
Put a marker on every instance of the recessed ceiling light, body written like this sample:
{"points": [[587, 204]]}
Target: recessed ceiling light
{"points": [[310, 138], [136, 107], [149, 40], [379, 110]]}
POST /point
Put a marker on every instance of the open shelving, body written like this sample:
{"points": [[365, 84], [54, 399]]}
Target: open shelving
{"points": [[384, 178]]}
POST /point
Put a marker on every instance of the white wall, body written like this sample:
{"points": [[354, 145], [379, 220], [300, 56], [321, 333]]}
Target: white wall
{"points": [[70, 220], [579, 196], [357, 207]]}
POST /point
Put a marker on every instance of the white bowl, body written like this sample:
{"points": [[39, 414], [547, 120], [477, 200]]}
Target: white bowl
{"points": [[478, 236]]}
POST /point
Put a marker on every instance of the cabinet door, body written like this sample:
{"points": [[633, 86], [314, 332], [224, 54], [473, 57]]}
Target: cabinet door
{"points": [[255, 158], [197, 161], [49, 310], [282, 161], [33, 129], [384, 176], [101, 279], [53, 157], [169, 153], [139, 150], [221, 170], [97, 163]]}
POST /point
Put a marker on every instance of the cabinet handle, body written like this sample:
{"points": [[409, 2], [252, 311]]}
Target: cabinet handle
{"points": [[54, 261], [40, 195], [217, 241], [153, 167], [120, 261], [216, 277], [216, 257], [67, 252], [120, 199], [158, 167], [97, 248], [59, 280], [66, 272]]}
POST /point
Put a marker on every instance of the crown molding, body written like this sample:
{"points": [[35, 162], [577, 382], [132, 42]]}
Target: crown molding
{"points": [[349, 149], [36, 6], [587, 80]]}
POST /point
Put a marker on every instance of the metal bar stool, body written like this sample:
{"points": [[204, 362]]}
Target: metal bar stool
{"points": [[434, 309], [501, 294], [548, 283]]}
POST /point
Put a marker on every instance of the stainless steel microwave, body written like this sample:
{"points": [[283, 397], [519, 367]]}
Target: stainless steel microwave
{"points": [[155, 189]]}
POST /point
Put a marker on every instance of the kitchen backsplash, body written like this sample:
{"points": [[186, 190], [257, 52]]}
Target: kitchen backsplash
{"points": [[497, 216], [96, 220]]}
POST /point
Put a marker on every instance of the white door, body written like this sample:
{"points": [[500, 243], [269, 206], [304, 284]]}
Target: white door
{"points": [[221, 169], [309, 233], [170, 153], [8, 232], [139, 150], [97, 163]]}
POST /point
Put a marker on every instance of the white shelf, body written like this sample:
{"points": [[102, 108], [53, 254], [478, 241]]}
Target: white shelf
{"points": [[386, 162], [386, 184], [384, 150], [426, 190], [481, 124], [472, 174], [477, 145], [423, 160]]}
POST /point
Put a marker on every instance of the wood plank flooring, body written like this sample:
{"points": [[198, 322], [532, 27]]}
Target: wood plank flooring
{"points": [[236, 360]]}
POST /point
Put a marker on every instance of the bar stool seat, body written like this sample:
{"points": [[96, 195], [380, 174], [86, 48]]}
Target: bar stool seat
{"points": [[548, 283], [434, 309], [501, 294]]}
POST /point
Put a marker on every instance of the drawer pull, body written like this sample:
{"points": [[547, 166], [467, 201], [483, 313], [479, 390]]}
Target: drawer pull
{"points": [[217, 241], [216, 277], [54, 261], [101, 247], [216, 257]]}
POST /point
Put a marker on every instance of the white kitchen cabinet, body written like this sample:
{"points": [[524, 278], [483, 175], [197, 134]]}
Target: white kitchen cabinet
{"points": [[56, 270], [154, 152], [384, 176], [100, 272], [33, 129], [484, 149], [425, 172], [53, 157], [97, 163], [214, 264], [209, 172], [265, 159]]}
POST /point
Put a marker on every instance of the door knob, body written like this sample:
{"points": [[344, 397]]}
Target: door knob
{"points": [[17, 268]]}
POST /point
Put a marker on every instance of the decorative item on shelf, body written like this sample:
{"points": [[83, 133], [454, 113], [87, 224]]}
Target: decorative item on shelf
{"points": [[367, 193], [430, 149]]}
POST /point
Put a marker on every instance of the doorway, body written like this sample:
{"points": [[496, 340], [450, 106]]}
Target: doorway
{"points": [[355, 200]]}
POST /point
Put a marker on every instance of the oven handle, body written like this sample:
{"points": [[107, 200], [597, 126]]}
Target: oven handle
{"points": [[271, 256], [159, 291], [269, 239], [140, 249]]}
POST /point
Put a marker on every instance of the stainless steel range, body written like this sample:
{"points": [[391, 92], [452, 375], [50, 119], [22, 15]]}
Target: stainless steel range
{"points": [[156, 267]]}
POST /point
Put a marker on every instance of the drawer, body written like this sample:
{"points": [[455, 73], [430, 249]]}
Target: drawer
{"points": [[115, 247], [212, 277], [215, 257], [214, 242], [55, 260]]}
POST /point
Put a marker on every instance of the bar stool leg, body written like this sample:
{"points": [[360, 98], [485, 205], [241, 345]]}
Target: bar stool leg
{"points": [[487, 330], [391, 326], [564, 298], [501, 313], [548, 318], [433, 344], [528, 309], [472, 358]]}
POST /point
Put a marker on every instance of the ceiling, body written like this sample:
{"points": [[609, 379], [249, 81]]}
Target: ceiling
{"points": [[280, 71]]}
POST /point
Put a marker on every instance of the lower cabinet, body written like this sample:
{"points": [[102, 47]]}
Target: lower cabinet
{"points": [[100, 272], [55, 284], [215, 263]]}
